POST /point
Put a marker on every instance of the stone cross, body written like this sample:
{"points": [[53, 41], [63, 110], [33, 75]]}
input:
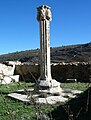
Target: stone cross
{"points": [[45, 80], [44, 18]]}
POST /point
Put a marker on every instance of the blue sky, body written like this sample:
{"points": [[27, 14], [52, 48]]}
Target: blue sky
{"points": [[19, 29]]}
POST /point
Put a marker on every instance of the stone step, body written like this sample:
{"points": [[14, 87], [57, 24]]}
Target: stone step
{"points": [[19, 97]]}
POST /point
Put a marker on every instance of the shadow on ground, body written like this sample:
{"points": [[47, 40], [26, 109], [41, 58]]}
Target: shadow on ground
{"points": [[76, 109]]}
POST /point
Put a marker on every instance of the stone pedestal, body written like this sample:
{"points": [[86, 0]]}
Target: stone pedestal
{"points": [[45, 81]]}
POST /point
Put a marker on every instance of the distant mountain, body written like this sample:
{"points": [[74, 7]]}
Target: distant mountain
{"points": [[71, 53]]}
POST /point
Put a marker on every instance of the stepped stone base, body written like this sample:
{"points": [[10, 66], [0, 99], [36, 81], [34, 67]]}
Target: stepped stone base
{"points": [[47, 83], [38, 98], [48, 86], [44, 98]]}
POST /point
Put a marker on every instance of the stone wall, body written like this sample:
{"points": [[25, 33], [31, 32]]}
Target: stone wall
{"points": [[28, 73], [81, 72]]}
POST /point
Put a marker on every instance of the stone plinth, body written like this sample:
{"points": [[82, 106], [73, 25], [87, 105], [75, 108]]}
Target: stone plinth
{"points": [[52, 87]]}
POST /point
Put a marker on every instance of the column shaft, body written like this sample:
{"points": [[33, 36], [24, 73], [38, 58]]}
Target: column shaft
{"points": [[45, 68]]}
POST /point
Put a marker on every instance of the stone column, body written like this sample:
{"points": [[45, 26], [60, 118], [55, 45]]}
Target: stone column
{"points": [[45, 80], [45, 50]]}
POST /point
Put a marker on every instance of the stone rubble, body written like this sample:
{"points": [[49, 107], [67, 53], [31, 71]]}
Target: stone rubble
{"points": [[7, 73]]}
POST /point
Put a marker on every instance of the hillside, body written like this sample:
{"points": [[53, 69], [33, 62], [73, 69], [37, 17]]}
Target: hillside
{"points": [[72, 53]]}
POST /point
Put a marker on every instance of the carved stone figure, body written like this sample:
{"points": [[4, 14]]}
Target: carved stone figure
{"points": [[48, 14], [43, 13]]}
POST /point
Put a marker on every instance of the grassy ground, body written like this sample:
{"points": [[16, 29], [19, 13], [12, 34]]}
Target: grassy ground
{"points": [[11, 109], [75, 86], [15, 86]]}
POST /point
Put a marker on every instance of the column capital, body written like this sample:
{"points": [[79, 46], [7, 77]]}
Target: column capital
{"points": [[44, 13]]}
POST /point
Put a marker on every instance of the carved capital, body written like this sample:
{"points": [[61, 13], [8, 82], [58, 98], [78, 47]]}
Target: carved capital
{"points": [[44, 13]]}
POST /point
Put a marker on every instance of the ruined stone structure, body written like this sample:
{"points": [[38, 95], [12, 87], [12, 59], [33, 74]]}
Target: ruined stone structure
{"points": [[7, 74]]}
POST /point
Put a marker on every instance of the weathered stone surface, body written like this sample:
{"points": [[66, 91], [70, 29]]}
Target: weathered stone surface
{"points": [[27, 72], [7, 74], [53, 88], [59, 72], [52, 91], [45, 81], [51, 100], [9, 79], [47, 99], [43, 13], [6, 70], [20, 97], [12, 63], [48, 83]]}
